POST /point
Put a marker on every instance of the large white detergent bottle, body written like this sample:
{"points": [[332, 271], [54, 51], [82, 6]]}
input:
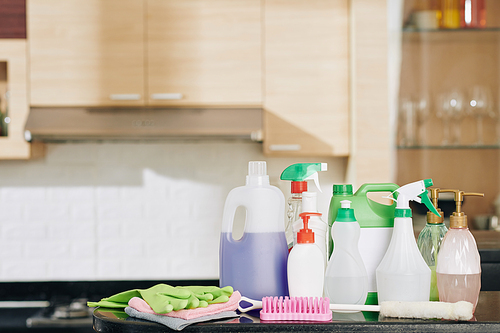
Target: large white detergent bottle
{"points": [[403, 274], [346, 280], [255, 264]]}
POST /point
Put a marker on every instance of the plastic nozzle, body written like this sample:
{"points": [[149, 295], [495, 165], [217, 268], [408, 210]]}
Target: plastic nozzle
{"points": [[428, 182], [345, 204], [306, 235]]}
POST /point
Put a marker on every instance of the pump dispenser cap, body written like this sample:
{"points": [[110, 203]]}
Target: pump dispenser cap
{"points": [[306, 235], [345, 213], [431, 217], [458, 220]]}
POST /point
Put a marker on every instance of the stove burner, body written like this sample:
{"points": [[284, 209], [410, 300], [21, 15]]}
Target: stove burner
{"points": [[76, 309], [74, 314]]}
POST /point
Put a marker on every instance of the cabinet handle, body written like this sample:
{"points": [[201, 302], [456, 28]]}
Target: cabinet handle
{"points": [[284, 147], [125, 97], [167, 96]]}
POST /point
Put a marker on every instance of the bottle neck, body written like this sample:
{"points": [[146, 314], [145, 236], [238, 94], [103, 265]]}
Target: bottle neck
{"points": [[257, 180]]}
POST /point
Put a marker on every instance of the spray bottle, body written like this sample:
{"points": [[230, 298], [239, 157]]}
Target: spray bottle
{"points": [[306, 264], [430, 238], [256, 263], [458, 268], [403, 275], [299, 174], [346, 280]]}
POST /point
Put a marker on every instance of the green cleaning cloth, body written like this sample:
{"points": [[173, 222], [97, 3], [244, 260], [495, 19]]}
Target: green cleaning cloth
{"points": [[163, 298]]}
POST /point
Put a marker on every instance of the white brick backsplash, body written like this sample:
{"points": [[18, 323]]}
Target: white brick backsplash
{"points": [[71, 269], [108, 230], [109, 268], [11, 211], [121, 211], [21, 231], [121, 248], [71, 231], [21, 269], [81, 211], [23, 194], [11, 249], [48, 249], [46, 212], [70, 194]]}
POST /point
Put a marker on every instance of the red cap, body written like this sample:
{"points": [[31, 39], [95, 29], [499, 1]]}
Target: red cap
{"points": [[299, 187], [306, 235]]}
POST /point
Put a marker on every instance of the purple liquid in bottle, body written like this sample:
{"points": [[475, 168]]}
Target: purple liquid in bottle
{"points": [[255, 265]]}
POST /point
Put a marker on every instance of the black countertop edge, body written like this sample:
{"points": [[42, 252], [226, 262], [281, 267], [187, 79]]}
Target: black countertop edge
{"points": [[141, 326], [64, 291]]}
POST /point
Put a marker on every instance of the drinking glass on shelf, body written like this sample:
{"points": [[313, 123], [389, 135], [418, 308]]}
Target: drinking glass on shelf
{"points": [[406, 122], [422, 111], [479, 106], [450, 111], [456, 101]]}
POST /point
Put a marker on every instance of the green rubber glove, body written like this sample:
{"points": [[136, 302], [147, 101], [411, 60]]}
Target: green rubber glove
{"points": [[211, 294], [164, 298]]}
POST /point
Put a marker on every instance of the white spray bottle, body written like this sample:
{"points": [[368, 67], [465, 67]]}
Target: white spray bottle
{"points": [[403, 274]]}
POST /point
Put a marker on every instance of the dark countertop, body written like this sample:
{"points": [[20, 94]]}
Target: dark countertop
{"points": [[487, 319]]}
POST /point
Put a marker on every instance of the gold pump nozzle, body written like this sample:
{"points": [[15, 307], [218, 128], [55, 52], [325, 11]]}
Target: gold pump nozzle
{"points": [[431, 217], [458, 219]]}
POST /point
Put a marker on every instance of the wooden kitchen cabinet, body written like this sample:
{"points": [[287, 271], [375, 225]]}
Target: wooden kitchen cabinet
{"points": [[86, 52], [204, 52], [145, 52], [306, 55]]}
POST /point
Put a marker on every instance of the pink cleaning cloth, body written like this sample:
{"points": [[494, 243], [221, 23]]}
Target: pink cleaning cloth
{"points": [[231, 305]]}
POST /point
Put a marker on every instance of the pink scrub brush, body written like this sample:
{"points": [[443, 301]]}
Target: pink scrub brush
{"points": [[291, 308]]}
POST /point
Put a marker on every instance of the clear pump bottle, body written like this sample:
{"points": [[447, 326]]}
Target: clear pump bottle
{"points": [[458, 270], [430, 238]]}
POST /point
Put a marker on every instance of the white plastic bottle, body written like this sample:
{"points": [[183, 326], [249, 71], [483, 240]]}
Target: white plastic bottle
{"points": [[306, 266], [403, 274], [316, 224], [346, 279]]}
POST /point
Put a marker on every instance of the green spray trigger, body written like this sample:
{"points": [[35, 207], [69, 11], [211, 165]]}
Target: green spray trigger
{"points": [[304, 171], [424, 197]]}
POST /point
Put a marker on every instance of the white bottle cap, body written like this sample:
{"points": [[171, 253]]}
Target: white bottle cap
{"points": [[345, 204], [309, 202], [257, 173]]}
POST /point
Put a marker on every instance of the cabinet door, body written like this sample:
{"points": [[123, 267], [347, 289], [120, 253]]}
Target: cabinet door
{"points": [[306, 77], [86, 52], [204, 52]]}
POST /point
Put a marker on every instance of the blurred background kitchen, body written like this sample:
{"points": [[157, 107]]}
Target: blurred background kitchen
{"points": [[125, 123]]}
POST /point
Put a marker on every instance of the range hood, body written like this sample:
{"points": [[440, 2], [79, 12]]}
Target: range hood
{"points": [[132, 124]]}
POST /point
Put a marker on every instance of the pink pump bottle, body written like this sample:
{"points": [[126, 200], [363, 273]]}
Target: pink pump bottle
{"points": [[458, 270]]}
